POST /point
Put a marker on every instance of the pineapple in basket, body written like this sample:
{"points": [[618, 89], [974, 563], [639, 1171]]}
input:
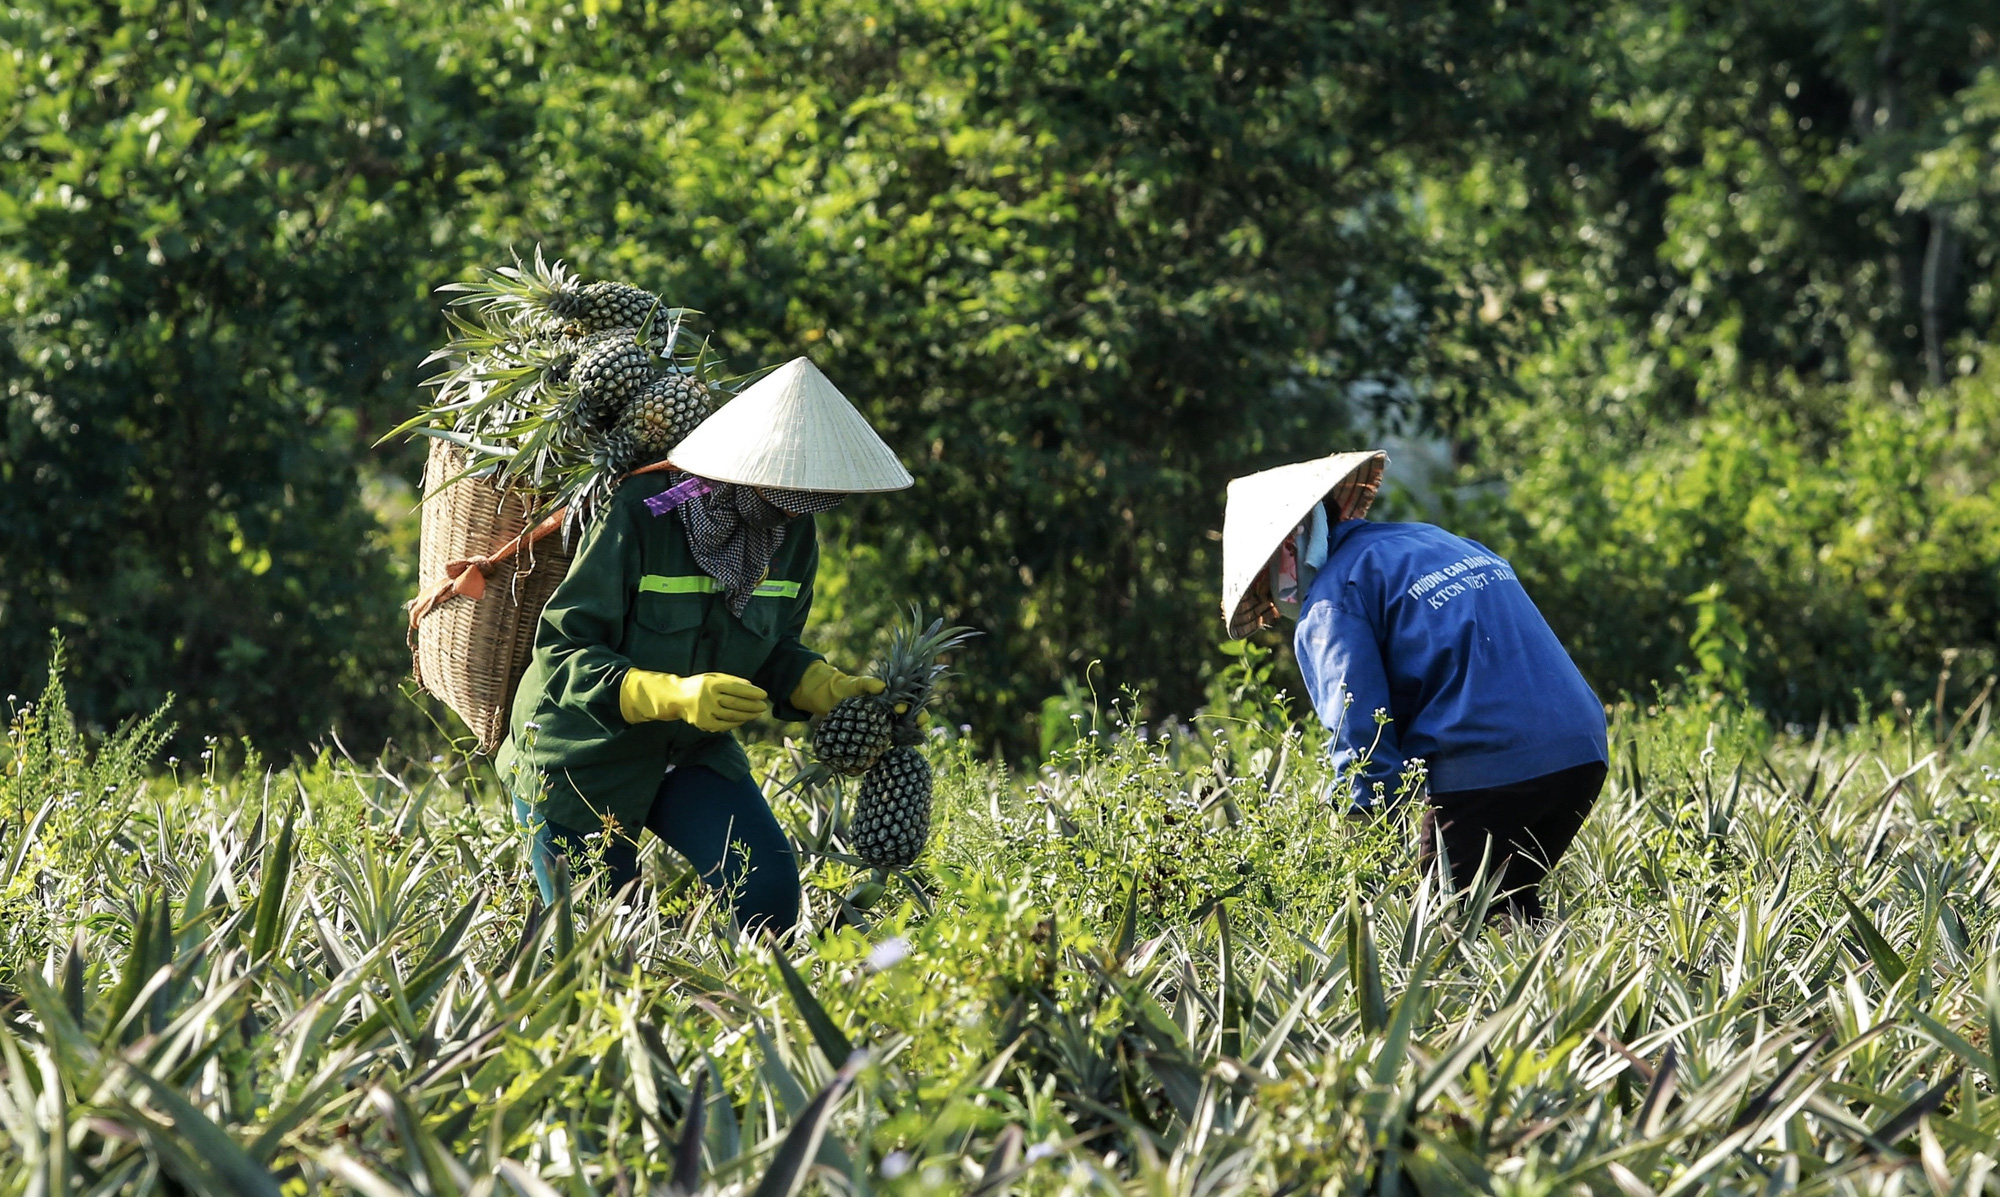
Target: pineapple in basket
{"points": [[563, 385], [875, 737]]}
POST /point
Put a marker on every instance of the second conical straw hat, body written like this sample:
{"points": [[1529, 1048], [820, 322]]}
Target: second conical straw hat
{"points": [[792, 430], [1264, 508]]}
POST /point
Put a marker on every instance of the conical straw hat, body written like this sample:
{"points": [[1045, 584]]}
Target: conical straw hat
{"points": [[792, 430], [1264, 508]]}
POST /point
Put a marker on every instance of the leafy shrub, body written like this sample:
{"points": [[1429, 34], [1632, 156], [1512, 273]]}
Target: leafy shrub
{"points": [[216, 235], [1814, 549]]}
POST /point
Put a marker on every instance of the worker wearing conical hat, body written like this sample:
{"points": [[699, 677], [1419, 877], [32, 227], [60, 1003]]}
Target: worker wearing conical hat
{"points": [[1419, 647], [679, 622]]}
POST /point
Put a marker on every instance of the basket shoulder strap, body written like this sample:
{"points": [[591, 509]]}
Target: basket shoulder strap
{"points": [[468, 577]]}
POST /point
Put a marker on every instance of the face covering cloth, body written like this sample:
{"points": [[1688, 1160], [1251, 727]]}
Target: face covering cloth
{"points": [[1298, 562], [734, 531]]}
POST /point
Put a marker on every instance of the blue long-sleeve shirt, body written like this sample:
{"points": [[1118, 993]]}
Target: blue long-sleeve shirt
{"points": [[1436, 630]]}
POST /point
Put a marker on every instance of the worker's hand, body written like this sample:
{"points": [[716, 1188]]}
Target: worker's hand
{"points": [[823, 687], [713, 702]]}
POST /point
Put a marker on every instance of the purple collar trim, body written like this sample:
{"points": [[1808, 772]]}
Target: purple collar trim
{"points": [[677, 494]]}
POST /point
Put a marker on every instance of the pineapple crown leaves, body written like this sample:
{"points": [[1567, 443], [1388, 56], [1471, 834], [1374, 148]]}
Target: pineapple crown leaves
{"points": [[705, 366], [674, 318], [910, 668], [518, 294], [469, 338], [506, 387]]}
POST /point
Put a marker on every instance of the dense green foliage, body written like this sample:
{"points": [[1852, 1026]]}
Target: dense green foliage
{"points": [[1080, 262], [1756, 439], [1655, 269], [1162, 964], [217, 231], [1805, 553]]}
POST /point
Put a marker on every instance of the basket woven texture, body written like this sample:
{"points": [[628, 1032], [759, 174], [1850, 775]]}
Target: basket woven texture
{"points": [[470, 652]]}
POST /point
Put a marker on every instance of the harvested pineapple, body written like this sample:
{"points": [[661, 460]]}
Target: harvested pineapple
{"points": [[875, 737], [596, 307], [667, 410], [855, 734], [609, 375], [892, 816]]}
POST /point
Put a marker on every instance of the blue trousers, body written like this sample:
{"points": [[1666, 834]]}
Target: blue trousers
{"points": [[723, 827]]}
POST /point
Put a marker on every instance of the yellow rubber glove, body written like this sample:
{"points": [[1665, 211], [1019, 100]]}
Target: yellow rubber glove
{"points": [[713, 702], [823, 687]]}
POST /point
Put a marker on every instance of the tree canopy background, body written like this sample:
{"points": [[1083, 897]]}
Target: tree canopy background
{"points": [[1700, 296]]}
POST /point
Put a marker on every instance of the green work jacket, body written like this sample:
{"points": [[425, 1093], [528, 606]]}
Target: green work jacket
{"points": [[635, 599]]}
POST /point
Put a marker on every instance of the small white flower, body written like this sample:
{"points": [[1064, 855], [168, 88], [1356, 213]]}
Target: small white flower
{"points": [[895, 1164], [1039, 1152], [888, 954]]}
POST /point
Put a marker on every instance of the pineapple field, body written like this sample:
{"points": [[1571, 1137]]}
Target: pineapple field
{"points": [[1162, 962], [1691, 312]]}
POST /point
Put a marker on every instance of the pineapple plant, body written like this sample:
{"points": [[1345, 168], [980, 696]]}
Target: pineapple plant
{"points": [[850, 738], [876, 738], [562, 386]]}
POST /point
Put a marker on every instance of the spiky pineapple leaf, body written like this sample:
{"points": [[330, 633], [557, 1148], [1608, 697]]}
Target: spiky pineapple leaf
{"points": [[824, 1031], [796, 1154]]}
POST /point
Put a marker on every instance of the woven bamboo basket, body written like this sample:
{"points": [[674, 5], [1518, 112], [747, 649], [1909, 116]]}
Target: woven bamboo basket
{"points": [[471, 642]]}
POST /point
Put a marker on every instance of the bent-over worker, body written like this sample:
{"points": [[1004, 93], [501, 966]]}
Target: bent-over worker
{"points": [[678, 623], [1435, 632]]}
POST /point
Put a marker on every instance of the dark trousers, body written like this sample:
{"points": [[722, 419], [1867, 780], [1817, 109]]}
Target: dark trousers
{"points": [[723, 827], [1530, 824]]}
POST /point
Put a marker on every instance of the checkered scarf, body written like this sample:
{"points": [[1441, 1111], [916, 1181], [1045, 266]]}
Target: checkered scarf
{"points": [[735, 530]]}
